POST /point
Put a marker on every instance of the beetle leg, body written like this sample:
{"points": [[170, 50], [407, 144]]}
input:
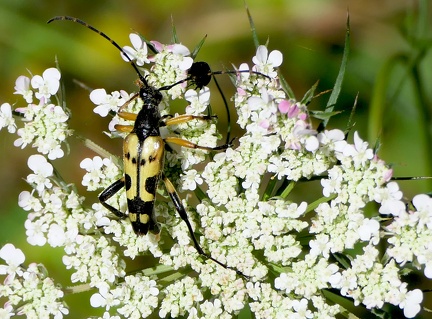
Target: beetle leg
{"points": [[108, 193], [182, 212], [185, 143], [186, 118]]}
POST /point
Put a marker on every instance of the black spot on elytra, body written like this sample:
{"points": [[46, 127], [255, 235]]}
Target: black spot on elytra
{"points": [[143, 162], [127, 155], [152, 158], [128, 182], [150, 184]]}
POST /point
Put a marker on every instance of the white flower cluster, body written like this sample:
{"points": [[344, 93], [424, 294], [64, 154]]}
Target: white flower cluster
{"points": [[57, 217], [290, 252], [45, 125], [279, 139], [29, 291], [410, 234], [170, 63], [136, 297]]}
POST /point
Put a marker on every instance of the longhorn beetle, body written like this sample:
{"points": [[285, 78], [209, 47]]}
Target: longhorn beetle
{"points": [[143, 153]]}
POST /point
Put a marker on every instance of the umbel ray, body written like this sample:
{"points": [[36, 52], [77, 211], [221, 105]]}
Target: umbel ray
{"points": [[144, 151]]}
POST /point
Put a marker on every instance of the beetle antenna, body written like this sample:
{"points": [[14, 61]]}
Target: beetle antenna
{"points": [[76, 20]]}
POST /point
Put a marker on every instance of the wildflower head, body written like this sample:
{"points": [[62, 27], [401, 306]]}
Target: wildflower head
{"points": [[291, 251]]}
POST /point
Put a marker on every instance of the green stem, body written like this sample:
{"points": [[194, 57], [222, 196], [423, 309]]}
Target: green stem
{"points": [[288, 189], [78, 289], [270, 188], [315, 204]]}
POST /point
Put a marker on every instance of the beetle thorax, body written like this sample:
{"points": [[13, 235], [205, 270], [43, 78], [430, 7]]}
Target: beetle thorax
{"points": [[150, 95]]}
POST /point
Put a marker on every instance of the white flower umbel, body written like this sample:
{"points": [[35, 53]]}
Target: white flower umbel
{"points": [[293, 254], [29, 290], [45, 123]]}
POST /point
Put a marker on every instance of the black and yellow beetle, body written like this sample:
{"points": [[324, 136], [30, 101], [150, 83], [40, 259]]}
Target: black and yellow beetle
{"points": [[144, 152]]}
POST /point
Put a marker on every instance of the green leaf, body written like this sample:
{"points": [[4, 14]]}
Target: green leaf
{"points": [[252, 26], [323, 115], [198, 47], [338, 84], [174, 32], [307, 98], [286, 87], [350, 122]]}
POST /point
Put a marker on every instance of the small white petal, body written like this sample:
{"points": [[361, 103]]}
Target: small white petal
{"points": [[51, 74], [275, 58], [312, 143], [180, 49], [261, 55], [98, 96], [136, 41], [11, 255]]}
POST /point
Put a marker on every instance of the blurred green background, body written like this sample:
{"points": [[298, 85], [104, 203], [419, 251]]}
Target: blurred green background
{"points": [[309, 33]]}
